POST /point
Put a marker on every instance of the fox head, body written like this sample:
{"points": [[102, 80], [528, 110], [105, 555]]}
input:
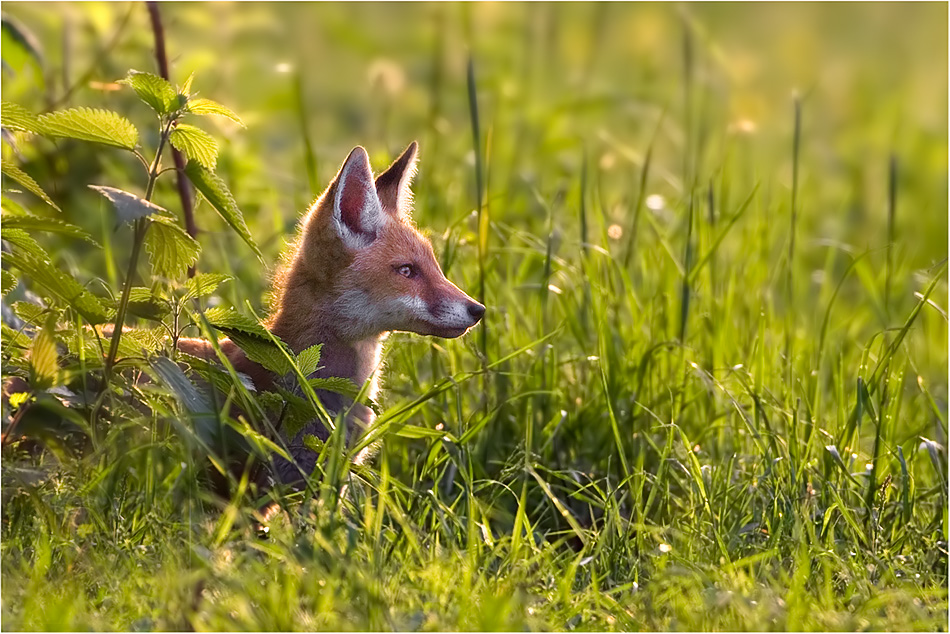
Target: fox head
{"points": [[362, 269]]}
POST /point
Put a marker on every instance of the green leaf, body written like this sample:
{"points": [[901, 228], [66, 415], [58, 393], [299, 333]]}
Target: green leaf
{"points": [[252, 338], [24, 179], [336, 384], [173, 376], [210, 372], [16, 117], [52, 225], [204, 284], [308, 359], [144, 303], [313, 443], [140, 341], [263, 352], [62, 286], [153, 90], [298, 412], [229, 320], [10, 206], [206, 106], [186, 87], [23, 242], [11, 337], [216, 193], [88, 124], [135, 343], [171, 250], [44, 368], [30, 313], [87, 342], [196, 144], [8, 282], [128, 206]]}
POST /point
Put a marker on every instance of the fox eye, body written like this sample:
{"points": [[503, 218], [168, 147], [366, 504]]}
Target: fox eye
{"points": [[406, 270]]}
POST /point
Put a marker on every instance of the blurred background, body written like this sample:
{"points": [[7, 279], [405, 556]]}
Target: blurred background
{"points": [[554, 81]]}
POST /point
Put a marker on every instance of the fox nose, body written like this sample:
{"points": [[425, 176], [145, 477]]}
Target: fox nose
{"points": [[476, 310]]}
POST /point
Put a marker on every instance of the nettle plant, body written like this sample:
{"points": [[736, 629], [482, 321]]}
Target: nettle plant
{"points": [[81, 372]]}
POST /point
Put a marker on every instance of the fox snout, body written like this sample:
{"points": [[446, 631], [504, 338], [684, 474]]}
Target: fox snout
{"points": [[453, 318], [477, 311]]}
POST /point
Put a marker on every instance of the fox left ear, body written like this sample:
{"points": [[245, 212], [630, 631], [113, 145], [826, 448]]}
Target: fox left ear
{"points": [[392, 186], [356, 208]]}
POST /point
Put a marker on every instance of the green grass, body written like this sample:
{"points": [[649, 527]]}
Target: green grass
{"points": [[728, 406]]}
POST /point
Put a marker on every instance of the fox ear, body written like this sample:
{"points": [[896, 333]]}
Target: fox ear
{"points": [[356, 207], [392, 186]]}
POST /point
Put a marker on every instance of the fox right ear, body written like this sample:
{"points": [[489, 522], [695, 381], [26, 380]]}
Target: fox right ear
{"points": [[392, 186], [356, 209]]}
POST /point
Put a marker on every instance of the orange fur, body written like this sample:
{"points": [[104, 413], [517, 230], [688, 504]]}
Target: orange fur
{"points": [[343, 287]]}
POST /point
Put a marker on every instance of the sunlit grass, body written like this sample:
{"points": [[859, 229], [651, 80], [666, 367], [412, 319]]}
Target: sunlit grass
{"points": [[707, 425]]}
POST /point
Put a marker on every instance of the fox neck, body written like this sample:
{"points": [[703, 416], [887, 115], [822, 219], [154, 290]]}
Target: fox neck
{"points": [[306, 314], [339, 357]]}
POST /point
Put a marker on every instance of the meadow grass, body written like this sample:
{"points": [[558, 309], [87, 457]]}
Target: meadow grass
{"points": [[710, 390]]}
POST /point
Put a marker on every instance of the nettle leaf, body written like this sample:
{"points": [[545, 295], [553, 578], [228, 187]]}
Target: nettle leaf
{"points": [[16, 338], [196, 144], [10, 206], [252, 338], [63, 287], [89, 124], [24, 242], [94, 344], [171, 250], [8, 282], [44, 368], [12, 171], [85, 342], [16, 117], [297, 412], [146, 304], [336, 384], [206, 106], [213, 373], [137, 342], [128, 206], [204, 284], [229, 320], [262, 351], [216, 192], [153, 90], [52, 225], [308, 359], [186, 87], [31, 313]]}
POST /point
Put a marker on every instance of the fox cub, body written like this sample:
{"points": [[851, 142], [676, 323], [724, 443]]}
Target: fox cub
{"points": [[359, 269]]}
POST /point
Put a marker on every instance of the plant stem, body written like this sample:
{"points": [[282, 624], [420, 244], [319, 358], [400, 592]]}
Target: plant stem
{"points": [[789, 273], [184, 193], [141, 227]]}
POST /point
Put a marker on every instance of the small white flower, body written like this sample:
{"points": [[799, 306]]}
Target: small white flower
{"points": [[655, 202]]}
